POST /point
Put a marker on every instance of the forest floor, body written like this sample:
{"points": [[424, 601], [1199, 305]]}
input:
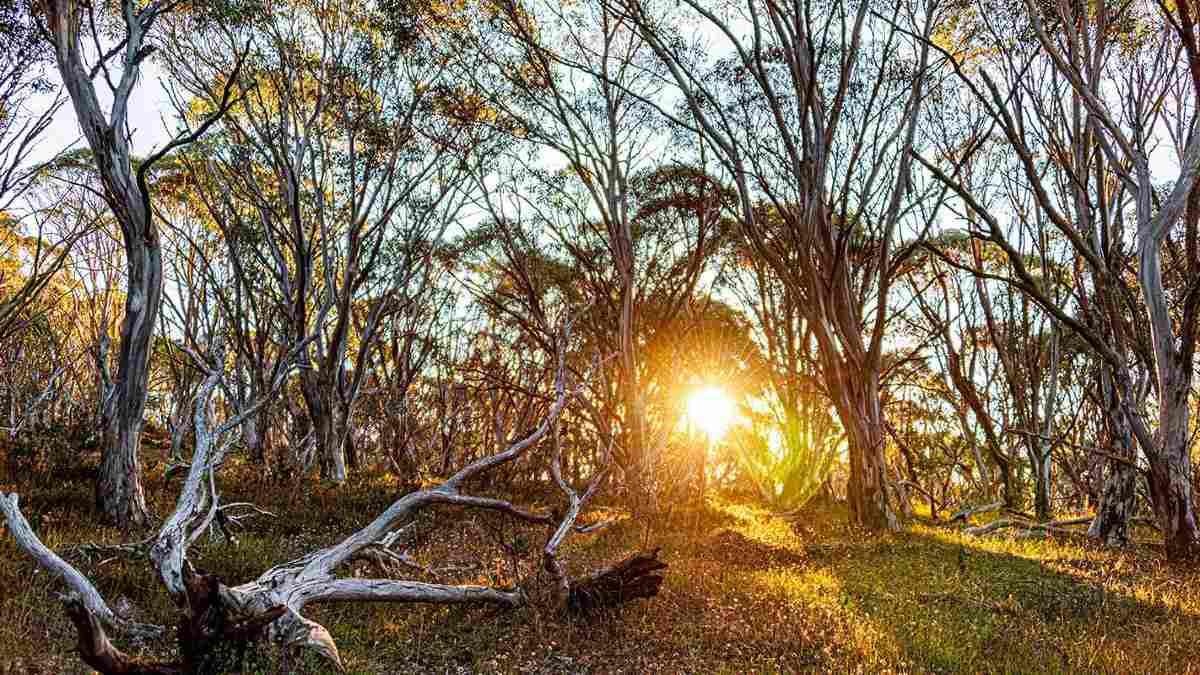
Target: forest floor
{"points": [[745, 592]]}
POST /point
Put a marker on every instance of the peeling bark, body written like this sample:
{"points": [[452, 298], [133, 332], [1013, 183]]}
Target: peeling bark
{"points": [[1116, 500]]}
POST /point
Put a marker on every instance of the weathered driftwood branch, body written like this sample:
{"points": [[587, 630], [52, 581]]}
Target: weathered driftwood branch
{"points": [[382, 556], [97, 651], [273, 603], [230, 523], [388, 561], [566, 525], [198, 504], [1058, 527], [37, 402], [80, 588], [1030, 527], [310, 579]]}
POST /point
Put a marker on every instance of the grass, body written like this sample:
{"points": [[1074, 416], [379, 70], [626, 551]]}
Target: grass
{"points": [[745, 592]]}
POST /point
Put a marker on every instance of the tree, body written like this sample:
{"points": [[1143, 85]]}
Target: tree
{"points": [[215, 615], [356, 169], [119, 495], [559, 86], [1093, 183], [1003, 356], [812, 111]]}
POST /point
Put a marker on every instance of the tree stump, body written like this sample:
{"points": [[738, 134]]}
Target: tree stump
{"points": [[617, 584]]}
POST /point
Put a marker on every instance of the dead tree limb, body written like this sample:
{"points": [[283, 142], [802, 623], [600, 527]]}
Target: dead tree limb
{"points": [[1059, 526], [566, 525], [1056, 527], [967, 512], [82, 592], [273, 603], [97, 651]]}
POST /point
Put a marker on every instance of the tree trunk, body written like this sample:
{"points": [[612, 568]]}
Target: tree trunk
{"points": [[253, 438], [322, 409], [1111, 524], [1116, 500], [178, 420], [119, 494], [1041, 449], [1171, 474], [1042, 507], [118, 487], [866, 490]]}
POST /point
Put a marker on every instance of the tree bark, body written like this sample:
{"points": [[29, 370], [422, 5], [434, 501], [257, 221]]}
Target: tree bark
{"points": [[1116, 499], [119, 494], [321, 413], [866, 491], [1170, 476]]}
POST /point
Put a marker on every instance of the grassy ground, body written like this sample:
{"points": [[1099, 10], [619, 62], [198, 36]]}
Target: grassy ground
{"points": [[744, 592]]}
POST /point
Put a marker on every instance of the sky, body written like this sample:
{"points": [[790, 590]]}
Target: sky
{"points": [[148, 108]]}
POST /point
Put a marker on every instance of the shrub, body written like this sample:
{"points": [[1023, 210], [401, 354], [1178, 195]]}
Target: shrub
{"points": [[787, 461]]}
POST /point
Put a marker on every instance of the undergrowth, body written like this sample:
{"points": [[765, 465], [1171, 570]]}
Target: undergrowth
{"points": [[745, 592]]}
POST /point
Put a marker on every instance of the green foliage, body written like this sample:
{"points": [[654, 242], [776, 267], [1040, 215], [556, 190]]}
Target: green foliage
{"points": [[787, 463]]}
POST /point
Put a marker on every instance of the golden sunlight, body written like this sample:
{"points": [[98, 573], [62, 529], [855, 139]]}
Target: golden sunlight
{"points": [[711, 411]]}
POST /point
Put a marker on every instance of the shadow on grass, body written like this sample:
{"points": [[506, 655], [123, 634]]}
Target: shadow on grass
{"points": [[737, 550], [745, 593], [953, 604]]}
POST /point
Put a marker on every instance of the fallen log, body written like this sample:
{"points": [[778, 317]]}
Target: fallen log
{"points": [[1055, 527], [218, 621], [617, 584], [968, 511], [1058, 527]]}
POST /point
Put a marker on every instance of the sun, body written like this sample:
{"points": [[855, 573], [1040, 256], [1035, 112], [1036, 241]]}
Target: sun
{"points": [[710, 410]]}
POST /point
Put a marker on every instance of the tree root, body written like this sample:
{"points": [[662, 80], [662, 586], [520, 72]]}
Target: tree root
{"points": [[95, 649]]}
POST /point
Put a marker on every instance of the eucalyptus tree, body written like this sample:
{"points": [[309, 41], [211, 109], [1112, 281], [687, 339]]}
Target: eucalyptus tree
{"points": [[950, 311], [568, 82], [794, 388], [1003, 356], [191, 316], [332, 180], [218, 620], [72, 28], [1080, 96], [939, 459], [34, 227], [402, 361], [812, 108], [542, 250]]}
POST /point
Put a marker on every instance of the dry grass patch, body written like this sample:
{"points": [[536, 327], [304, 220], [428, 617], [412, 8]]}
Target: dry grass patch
{"points": [[745, 592]]}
